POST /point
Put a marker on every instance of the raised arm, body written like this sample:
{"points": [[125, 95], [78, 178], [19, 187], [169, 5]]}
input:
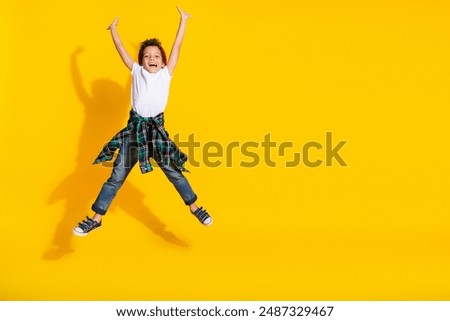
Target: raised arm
{"points": [[176, 47], [126, 58]]}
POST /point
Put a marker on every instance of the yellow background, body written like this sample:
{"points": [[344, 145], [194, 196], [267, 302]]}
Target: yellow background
{"points": [[375, 73]]}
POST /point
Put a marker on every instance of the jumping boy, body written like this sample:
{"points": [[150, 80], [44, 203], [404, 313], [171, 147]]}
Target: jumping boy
{"points": [[145, 135]]}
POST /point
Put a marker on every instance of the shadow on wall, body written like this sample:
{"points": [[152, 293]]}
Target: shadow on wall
{"points": [[105, 114]]}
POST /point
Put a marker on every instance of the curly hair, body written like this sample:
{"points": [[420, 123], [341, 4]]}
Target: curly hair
{"points": [[151, 42]]}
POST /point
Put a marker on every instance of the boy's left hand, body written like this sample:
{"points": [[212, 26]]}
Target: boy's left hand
{"points": [[113, 24]]}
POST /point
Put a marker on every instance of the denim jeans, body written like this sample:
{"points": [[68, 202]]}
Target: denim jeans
{"points": [[124, 163]]}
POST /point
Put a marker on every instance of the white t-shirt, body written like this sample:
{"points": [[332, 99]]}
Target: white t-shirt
{"points": [[149, 92]]}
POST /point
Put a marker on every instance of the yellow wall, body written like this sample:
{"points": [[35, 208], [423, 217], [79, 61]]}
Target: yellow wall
{"points": [[374, 73]]}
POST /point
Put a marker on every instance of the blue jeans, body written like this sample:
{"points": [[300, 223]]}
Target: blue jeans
{"points": [[124, 163]]}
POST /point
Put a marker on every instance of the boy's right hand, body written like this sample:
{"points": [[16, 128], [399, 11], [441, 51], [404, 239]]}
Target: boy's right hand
{"points": [[184, 15], [113, 24]]}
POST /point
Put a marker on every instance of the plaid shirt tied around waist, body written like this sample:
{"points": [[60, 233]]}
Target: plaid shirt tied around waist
{"points": [[145, 131]]}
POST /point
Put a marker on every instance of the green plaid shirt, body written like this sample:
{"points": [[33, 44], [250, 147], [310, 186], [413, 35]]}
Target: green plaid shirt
{"points": [[145, 132]]}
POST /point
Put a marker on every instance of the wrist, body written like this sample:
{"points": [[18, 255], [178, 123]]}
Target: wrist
{"points": [[184, 18]]}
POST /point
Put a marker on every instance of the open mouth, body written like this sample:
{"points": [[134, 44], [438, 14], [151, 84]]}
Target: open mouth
{"points": [[152, 65]]}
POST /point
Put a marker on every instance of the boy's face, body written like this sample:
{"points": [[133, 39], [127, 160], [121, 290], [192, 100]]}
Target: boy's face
{"points": [[152, 59]]}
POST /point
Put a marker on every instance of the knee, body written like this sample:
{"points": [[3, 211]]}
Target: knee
{"points": [[176, 176], [115, 180]]}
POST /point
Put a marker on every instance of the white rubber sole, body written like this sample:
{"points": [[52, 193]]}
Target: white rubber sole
{"points": [[81, 234]]}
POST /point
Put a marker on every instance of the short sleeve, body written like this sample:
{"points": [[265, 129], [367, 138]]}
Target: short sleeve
{"points": [[165, 70], [134, 68]]}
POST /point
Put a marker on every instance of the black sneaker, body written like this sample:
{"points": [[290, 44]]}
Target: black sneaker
{"points": [[203, 216], [86, 226]]}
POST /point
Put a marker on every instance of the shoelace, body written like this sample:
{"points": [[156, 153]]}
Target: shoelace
{"points": [[86, 225], [201, 214]]}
